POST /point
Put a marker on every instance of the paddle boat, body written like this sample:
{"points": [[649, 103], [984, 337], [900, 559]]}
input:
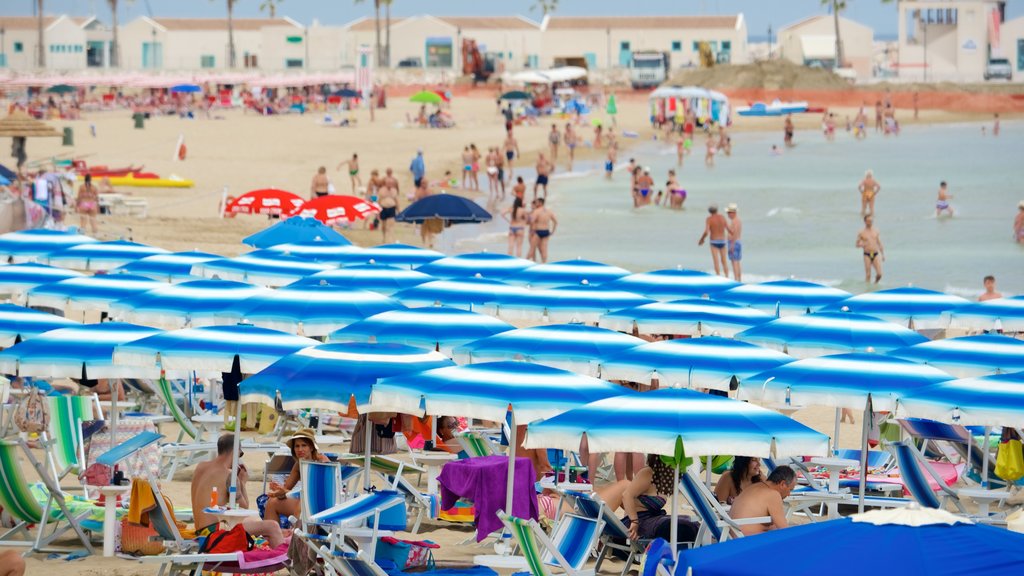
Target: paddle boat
{"points": [[776, 108]]}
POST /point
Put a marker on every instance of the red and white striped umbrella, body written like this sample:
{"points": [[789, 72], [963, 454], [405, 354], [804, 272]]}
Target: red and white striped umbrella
{"points": [[332, 209], [265, 201]]}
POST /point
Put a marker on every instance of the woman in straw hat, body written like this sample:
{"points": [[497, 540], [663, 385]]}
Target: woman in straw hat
{"points": [[303, 447]]}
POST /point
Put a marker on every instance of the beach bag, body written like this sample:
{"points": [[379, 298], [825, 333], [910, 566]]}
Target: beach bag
{"points": [[32, 414], [227, 541], [1010, 458], [405, 553], [140, 540]]}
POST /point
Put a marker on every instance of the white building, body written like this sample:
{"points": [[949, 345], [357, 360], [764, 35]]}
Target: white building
{"points": [[949, 40], [1012, 45], [69, 43], [812, 42]]}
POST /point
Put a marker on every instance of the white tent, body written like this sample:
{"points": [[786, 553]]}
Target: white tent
{"points": [[563, 74]]}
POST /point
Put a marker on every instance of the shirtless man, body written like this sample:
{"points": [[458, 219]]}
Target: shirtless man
{"points": [[544, 223], [388, 200], [874, 253], [645, 187], [519, 190], [216, 473], [942, 204], [544, 169], [570, 143], [735, 229], [511, 148], [715, 227], [764, 499], [353, 172], [320, 184], [788, 140], [553, 139], [990, 289], [869, 188]]}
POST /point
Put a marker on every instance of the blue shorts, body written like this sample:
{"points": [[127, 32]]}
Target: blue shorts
{"points": [[735, 251], [608, 166]]}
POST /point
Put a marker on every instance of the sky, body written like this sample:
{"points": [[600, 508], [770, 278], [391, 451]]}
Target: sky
{"points": [[760, 14]]}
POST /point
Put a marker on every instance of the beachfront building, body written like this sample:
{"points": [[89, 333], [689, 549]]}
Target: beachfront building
{"points": [[949, 40], [1012, 40], [69, 43], [812, 42]]}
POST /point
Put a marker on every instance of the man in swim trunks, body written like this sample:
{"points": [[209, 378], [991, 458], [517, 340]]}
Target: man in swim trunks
{"points": [[511, 147], [353, 172], [870, 241], [715, 227], [990, 290], [609, 163], [942, 204], [388, 200], [788, 140], [320, 184], [553, 139], [735, 230], [869, 188], [765, 499], [543, 223], [544, 169], [570, 143]]}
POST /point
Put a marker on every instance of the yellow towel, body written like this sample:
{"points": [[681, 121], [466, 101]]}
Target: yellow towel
{"points": [[142, 502]]}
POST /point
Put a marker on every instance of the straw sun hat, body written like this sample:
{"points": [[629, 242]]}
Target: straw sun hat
{"points": [[307, 434]]}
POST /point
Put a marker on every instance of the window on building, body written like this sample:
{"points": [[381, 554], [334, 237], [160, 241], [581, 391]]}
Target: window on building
{"points": [[3, 60], [19, 47], [677, 45], [1020, 54], [293, 63], [207, 61], [624, 45], [439, 52], [726, 45]]}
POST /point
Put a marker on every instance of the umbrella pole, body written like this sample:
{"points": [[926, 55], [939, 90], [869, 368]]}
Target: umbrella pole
{"points": [[864, 454], [115, 388], [984, 454], [233, 490], [510, 479], [367, 437], [835, 438], [675, 512]]}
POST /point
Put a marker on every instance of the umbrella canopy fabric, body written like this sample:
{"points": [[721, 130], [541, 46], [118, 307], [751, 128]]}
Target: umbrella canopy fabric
{"points": [[653, 422], [843, 381], [567, 272], [673, 284], [784, 296], [89, 292], [709, 362], [996, 400], [346, 93], [317, 251], [30, 245], [292, 230], [336, 208], [968, 355], [692, 317], [915, 307], [400, 255], [516, 95], [61, 89], [374, 277], [84, 351], [101, 255], [830, 332], [310, 310], [466, 293], [330, 376], [17, 324], [259, 267], [265, 201], [426, 97], [1004, 313], [439, 328], [17, 278], [582, 303], [173, 267], [476, 265], [19, 124], [186, 89], [448, 207], [193, 303], [574, 347]]}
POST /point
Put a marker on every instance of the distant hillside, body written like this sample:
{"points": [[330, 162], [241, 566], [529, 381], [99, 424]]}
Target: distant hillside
{"points": [[771, 75]]}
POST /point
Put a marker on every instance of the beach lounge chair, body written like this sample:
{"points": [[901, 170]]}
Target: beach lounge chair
{"points": [[568, 548], [65, 428], [384, 465], [423, 504], [614, 534], [952, 441], [476, 444], [715, 523], [913, 469]]}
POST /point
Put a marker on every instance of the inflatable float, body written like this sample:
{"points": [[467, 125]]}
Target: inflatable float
{"points": [[776, 108]]}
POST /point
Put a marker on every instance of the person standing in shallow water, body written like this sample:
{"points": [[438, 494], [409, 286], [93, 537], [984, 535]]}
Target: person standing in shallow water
{"points": [[715, 227], [870, 242]]}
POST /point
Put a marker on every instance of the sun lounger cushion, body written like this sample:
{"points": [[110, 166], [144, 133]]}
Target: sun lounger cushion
{"points": [[77, 505]]}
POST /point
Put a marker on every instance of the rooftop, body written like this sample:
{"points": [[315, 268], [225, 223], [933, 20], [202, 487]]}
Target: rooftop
{"points": [[588, 22], [214, 24]]}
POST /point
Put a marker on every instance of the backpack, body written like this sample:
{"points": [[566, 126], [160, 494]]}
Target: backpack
{"points": [[32, 413], [227, 541]]}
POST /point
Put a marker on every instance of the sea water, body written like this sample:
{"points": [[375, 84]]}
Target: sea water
{"points": [[801, 209]]}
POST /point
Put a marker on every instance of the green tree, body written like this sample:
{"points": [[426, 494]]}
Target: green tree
{"points": [[231, 32], [545, 6], [376, 22], [270, 7], [115, 44], [837, 7]]}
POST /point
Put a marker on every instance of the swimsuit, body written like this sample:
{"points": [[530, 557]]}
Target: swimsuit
{"points": [[735, 251], [644, 192], [354, 171], [718, 243], [871, 255], [680, 192], [512, 230], [207, 530], [320, 194], [942, 205], [510, 154], [542, 233], [388, 213], [542, 179], [608, 166]]}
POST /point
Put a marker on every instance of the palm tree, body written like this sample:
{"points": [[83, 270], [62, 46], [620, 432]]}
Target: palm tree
{"points": [[270, 6], [376, 22], [115, 46], [837, 7], [387, 32], [231, 32], [41, 59], [545, 6]]}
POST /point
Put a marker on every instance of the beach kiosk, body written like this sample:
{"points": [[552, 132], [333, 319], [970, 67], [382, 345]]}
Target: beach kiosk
{"points": [[672, 102]]}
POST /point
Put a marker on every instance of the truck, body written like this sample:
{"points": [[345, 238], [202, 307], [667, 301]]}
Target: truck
{"points": [[648, 69]]}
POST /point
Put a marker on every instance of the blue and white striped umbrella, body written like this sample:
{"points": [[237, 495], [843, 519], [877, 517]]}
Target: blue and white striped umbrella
{"points": [[654, 422], [29, 245], [485, 264], [19, 278], [468, 293], [308, 310], [968, 356], [211, 350], [829, 333], [581, 303], [573, 347], [82, 351], [567, 272], [101, 255], [996, 400], [317, 251], [709, 362], [1002, 313], [843, 381], [90, 292], [784, 297], [915, 308], [374, 277], [329, 376], [439, 328], [173, 267], [195, 303], [17, 323], [673, 284], [400, 255], [692, 317], [259, 267]]}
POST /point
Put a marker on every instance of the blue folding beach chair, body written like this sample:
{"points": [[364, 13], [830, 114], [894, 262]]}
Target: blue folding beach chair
{"points": [[614, 534], [715, 523]]}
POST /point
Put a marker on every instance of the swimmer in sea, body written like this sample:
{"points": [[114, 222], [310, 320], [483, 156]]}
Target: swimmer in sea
{"points": [[609, 163], [942, 204], [715, 226], [570, 143], [677, 196], [709, 157], [870, 242], [869, 188], [680, 150], [645, 185], [788, 140]]}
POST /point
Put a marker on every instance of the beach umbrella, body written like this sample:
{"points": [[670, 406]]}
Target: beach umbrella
{"points": [[259, 267], [995, 400], [346, 93], [1002, 313], [375, 277], [912, 540], [81, 351], [265, 201], [313, 310], [968, 355], [316, 251], [915, 308], [475, 265], [581, 303], [782, 297], [61, 89], [692, 317], [574, 347], [29, 245], [673, 284], [400, 255], [211, 350], [830, 332], [18, 323], [516, 95], [296, 229], [89, 292], [193, 303], [173, 267], [101, 255], [17, 278], [710, 362], [465, 293], [426, 97], [19, 126], [186, 89], [336, 208], [567, 272], [451, 208], [440, 328]]}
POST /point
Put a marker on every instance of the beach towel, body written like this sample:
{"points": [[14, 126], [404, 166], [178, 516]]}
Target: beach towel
{"points": [[482, 480], [141, 502]]}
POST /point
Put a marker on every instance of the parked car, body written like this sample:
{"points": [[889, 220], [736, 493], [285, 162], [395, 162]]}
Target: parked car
{"points": [[998, 68], [410, 63]]}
